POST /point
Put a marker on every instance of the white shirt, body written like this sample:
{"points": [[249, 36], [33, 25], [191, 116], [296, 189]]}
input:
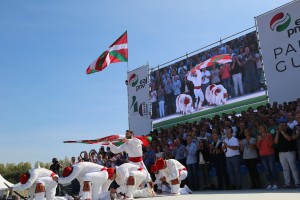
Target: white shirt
{"points": [[171, 172], [232, 142], [205, 79], [34, 175], [124, 171], [153, 96], [79, 171], [292, 124], [133, 147], [196, 80]]}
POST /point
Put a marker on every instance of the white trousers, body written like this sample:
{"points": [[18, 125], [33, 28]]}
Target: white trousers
{"points": [[198, 94], [98, 183], [237, 83], [50, 188], [288, 161], [161, 108], [175, 189], [142, 165], [133, 190]]}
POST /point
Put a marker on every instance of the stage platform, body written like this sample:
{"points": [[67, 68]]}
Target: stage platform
{"points": [[262, 194]]}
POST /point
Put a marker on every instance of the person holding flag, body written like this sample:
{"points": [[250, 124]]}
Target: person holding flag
{"points": [[133, 147]]}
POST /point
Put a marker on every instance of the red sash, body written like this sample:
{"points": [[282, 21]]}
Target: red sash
{"points": [[136, 159]]}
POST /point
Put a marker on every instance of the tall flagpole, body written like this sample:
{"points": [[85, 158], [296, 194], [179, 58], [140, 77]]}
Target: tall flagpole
{"points": [[127, 82]]}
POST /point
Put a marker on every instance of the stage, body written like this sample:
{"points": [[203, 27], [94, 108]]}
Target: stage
{"points": [[262, 194]]}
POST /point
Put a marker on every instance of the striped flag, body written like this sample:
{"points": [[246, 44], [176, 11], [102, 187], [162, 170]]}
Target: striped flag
{"points": [[115, 139], [117, 52]]}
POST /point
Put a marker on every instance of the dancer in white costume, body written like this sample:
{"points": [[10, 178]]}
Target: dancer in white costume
{"points": [[173, 172], [208, 94], [196, 78], [184, 103], [38, 181], [129, 177], [219, 95], [134, 148], [89, 174]]}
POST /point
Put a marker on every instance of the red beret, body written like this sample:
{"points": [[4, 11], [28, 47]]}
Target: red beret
{"points": [[24, 178], [67, 171], [110, 172], [153, 169], [160, 164]]}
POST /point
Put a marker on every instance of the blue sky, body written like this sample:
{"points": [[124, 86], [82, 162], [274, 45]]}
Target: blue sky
{"points": [[46, 46]]}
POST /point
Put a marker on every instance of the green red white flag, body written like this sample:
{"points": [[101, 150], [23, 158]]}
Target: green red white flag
{"points": [[115, 139], [117, 52]]}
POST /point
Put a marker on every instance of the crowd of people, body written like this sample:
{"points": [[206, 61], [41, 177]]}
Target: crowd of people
{"points": [[267, 136], [243, 75], [181, 157]]}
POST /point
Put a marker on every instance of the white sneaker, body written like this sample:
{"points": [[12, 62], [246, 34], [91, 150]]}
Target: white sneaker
{"points": [[275, 187], [176, 194], [188, 189], [269, 187]]}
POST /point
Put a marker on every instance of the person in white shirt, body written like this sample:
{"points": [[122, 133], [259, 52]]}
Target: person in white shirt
{"points": [[130, 177], [89, 175], [172, 172], [292, 121], [196, 78], [134, 148], [219, 95], [184, 104], [231, 149], [205, 81], [38, 181]]}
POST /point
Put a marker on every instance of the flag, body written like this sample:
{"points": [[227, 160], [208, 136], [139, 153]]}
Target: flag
{"points": [[115, 139], [117, 52]]}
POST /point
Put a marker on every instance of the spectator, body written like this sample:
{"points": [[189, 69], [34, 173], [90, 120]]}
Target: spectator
{"points": [[86, 157], [225, 78], [296, 134], [266, 151], [250, 158], [292, 121], [218, 159], [249, 64], [178, 151], [205, 82], [287, 154], [161, 101], [215, 75], [231, 148], [149, 157], [176, 86], [203, 158], [159, 152], [236, 72], [191, 161], [100, 160], [153, 101], [168, 87], [56, 168], [73, 161], [259, 69]]}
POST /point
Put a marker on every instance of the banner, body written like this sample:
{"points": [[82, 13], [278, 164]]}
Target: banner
{"points": [[138, 101], [279, 36]]}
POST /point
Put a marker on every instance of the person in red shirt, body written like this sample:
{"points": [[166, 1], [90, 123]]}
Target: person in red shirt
{"points": [[266, 151], [225, 77]]}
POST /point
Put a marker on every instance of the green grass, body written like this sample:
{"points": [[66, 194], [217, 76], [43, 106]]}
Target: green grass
{"points": [[229, 108]]}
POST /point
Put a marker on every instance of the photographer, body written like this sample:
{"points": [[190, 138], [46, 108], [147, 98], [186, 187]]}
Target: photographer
{"points": [[56, 168]]}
